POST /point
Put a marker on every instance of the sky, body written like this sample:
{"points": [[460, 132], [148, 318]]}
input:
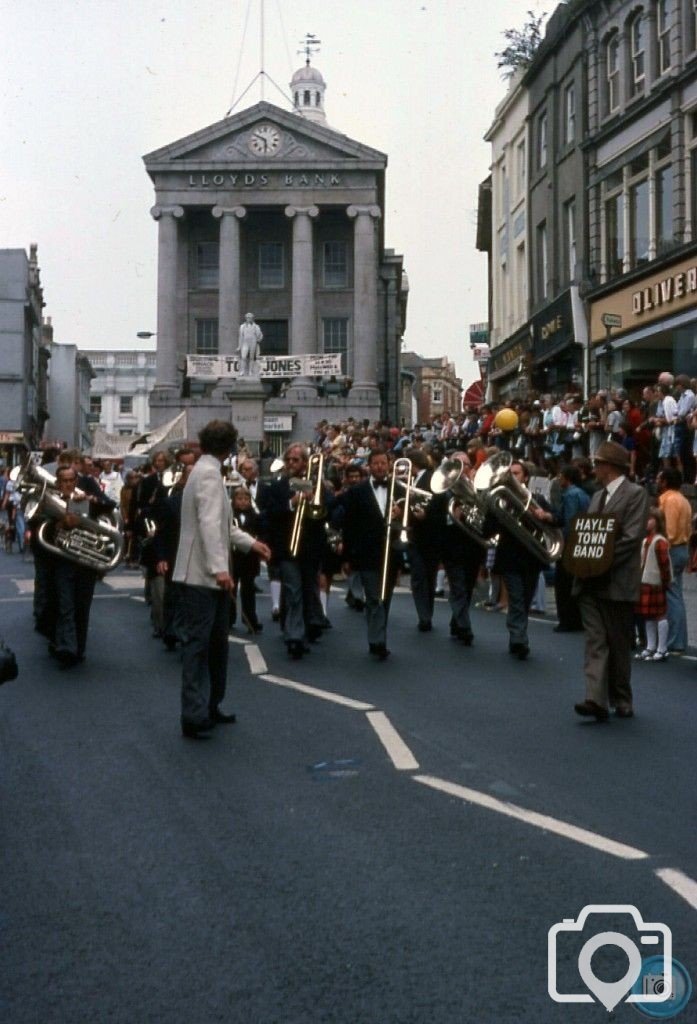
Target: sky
{"points": [[87, 87]]}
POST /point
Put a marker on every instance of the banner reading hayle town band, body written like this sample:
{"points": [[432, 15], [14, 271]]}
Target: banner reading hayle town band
{"points": [[590, 546], [222, 367]]}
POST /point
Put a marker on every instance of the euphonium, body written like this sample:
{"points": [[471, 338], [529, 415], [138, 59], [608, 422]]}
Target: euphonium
{"points": [[513, 505], [95, 543], [451, 476]]}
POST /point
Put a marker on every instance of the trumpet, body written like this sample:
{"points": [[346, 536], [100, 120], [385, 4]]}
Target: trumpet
{"points": [[311, 504]]}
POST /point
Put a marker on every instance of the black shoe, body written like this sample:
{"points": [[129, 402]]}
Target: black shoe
{"points": [[197, 730], [219, 717], [296, 649], [520, 651], [326, 624], [170, 643], [66, 659], [275, 615], [257, 628], [425, 627], [350, 600], [313, 633], [439, 593], [358, 605], [379, 651], [463, 636]]}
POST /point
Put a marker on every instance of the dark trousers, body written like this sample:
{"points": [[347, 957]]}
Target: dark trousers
{"points": [[462, 578], [73, 589], [203, 615], [377, 612], [301, 603], [568, 611], [45, 608], [245, 593], [609, 627], [171, 609], [424, 569], [521, 585]]}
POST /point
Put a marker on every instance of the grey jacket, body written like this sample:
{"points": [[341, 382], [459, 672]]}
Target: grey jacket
{"points": [[205, 537]]}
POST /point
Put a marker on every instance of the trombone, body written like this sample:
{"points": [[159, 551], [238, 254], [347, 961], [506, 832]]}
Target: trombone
{"points": [[310, 504], [402, 473]]}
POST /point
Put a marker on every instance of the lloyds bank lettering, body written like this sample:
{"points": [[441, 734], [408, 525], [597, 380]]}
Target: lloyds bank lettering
{"points": [[264, 180]]}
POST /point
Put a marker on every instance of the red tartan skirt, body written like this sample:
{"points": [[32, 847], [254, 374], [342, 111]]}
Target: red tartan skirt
{"points": [[652, 602]]}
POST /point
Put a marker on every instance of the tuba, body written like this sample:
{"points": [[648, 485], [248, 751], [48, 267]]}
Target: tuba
{"points": [[451, 476], [513, 505], [95, 544]]}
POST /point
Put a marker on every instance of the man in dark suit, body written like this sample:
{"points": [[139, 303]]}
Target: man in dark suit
{"points": [[361, 514], [607, 601], [299, 573], [425, 541]]}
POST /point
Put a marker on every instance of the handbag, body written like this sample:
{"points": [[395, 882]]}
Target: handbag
{"points": [[8, 664]]}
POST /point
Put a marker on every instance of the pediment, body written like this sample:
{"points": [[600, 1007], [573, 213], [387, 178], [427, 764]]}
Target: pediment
{"points": [[230, 141]]}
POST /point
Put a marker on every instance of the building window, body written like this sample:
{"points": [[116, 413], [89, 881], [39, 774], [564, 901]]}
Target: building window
{"points": [[693, 26], [335, 338], [437, 393], [636, 36], [663, 25], [521, 167], [542, 260], [612, 73], [271, 265], [639, 234], [126, 405], [306, 97], [207, 337], [664, 209], [570, 237], [614, 227], [207, 264], [542, 142], [96, 405], [569, 114], [335, 265]]}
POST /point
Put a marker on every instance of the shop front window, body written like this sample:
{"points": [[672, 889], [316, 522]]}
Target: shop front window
{"points": [[614, 221]]}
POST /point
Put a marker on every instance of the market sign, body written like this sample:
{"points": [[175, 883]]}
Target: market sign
{"points": [[316, 364], [11, 437], [278, 424]]}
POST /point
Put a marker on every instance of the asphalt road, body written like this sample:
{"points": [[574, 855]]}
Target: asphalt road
{"points": [[298, 868]]}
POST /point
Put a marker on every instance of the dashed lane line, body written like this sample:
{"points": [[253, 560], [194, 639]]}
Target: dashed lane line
{"points": [[257, 665], [312, 691], [237, 640], [682, 884], [541, 821], [397, 750]]}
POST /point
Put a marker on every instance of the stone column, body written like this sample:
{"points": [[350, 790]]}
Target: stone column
{"points": [[365, 299], [167, 217], [303, 329], [229, 314]]}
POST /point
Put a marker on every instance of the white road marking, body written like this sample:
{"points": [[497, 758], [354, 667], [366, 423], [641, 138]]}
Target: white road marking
{"points": [[541, 821], [136, 597], [680, 883], [24, 586], [124, 582], [237, 640], [257, 665], [14, 600], [312, 691], [397, 750]]}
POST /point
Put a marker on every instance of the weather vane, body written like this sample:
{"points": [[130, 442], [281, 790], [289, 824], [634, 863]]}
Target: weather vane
{"points": [[310, 45]]}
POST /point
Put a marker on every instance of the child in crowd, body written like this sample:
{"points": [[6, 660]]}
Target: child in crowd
{"points": [[245, 565], [656, 577]]}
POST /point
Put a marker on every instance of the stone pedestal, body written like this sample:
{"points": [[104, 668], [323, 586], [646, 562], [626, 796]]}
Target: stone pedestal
{"points": [[246, 398]]}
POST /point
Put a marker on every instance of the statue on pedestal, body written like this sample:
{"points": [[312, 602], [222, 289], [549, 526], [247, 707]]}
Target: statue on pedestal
{"points": [[249, 346]]}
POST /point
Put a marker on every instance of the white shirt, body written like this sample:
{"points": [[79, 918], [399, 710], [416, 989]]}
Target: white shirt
{"points": [[380, 495]]}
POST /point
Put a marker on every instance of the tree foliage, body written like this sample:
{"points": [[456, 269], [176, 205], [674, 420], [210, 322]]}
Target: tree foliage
{"points": [[521, 44]]}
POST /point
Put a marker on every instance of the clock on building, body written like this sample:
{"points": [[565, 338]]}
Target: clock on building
{"points": [[265, 140]]}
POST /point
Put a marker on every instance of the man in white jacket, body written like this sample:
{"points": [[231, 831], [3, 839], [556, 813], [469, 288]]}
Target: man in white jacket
{"points": [[203, 569]]}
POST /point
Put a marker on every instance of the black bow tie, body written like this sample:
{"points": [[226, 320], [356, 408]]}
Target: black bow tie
{"points": [[379, 483]]}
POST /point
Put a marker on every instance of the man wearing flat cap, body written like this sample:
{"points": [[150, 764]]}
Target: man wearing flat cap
{"points": [[607, 601]]}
